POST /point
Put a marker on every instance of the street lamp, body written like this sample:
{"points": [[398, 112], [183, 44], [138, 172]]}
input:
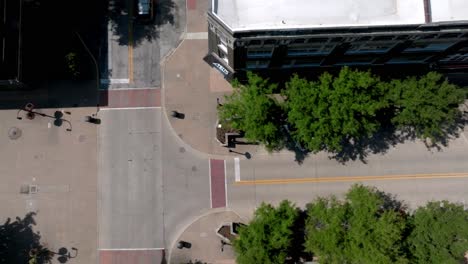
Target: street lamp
{"points": [[31, 114]]}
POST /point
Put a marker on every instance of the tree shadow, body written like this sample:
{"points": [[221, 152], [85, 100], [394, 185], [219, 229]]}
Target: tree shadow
{"points": [[122, 16], [300, 153], [390, 202], [297, 252], [380, 142], [19, 243]]}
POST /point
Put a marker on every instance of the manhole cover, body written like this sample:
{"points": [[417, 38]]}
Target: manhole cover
{"points": [[194, 168], [181, 149], [14, 133]]}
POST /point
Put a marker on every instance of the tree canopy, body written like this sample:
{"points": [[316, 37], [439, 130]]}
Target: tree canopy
{"points": [[269, 236], [367, 226], [440, 233], [251, 109], [335, 110], [362, 229], [428, 105]]}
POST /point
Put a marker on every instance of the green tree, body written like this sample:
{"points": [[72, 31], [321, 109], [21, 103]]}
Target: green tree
{"points": [[428, 106], [268, 238], [439, 234], [335, 110], [252, 109], [365, 228]]}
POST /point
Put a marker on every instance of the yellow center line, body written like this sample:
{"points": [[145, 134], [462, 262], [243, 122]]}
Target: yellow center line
{"points": [[353, 178], [130, 41]]}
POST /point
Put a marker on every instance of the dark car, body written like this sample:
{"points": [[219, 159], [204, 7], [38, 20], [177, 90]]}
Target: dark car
{"points": [[144, 10]]}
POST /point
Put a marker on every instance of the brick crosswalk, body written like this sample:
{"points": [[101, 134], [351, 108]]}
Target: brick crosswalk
{"points": [[217, 183]]}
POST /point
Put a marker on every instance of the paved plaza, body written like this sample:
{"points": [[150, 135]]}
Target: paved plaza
{"points": [[58, 168]]}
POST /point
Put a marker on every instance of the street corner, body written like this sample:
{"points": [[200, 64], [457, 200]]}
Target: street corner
{"points": [[208, 239], [218, 84]]}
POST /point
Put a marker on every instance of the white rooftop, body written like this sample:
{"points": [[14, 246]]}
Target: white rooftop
{"points": [[242, 15], [449, 10]]}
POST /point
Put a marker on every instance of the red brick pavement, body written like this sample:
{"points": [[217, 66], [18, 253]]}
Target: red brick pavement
{"points": [[130, 256], [123, 98], [191, 4], [218, 183]]}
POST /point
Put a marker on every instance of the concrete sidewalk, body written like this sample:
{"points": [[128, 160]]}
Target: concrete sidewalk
{"points": [[61, 167], [191, 87], [205, 243]]}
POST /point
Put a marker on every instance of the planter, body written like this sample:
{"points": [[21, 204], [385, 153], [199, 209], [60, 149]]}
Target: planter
{"points": [[228, 231], [225, 134]]}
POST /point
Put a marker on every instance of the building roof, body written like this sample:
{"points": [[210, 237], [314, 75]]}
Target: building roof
{"points": [[241, 15], [449, 10]]}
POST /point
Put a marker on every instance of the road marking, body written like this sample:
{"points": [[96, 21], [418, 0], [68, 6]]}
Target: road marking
{"points": [[114, 81], [128, 249], [237, 169], [197, 35], [131, 108], [354, 178], [130, 43]]}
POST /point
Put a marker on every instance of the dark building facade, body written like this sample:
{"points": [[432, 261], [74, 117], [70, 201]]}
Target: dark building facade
{"points": [[10, 43], [438, 44]]}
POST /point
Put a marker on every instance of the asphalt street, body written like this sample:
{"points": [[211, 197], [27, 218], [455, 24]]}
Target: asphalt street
{"points": [[133, 48], [130, 181], [274, 177], [151, 185]]}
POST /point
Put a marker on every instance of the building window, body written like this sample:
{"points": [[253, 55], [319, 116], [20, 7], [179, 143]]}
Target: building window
{"points": [[383, 38], [257, 64], [449, 35], [428, 36], [370, 47], [429, 46], [402, 37], [336, 39], [356, 60], [223, 47], [409, 58], [255, 42], [307, 62], [310, 50], [259, 53], [299, 41], [269, 42], [318, 40], [456, 58]]}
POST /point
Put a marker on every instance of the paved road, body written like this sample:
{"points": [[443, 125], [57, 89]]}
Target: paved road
{"points": [[133, 49], [130, 180], [317, 176], [151, 186]]}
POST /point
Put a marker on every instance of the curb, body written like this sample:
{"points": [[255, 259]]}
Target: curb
{"points": [[205, 213]]}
